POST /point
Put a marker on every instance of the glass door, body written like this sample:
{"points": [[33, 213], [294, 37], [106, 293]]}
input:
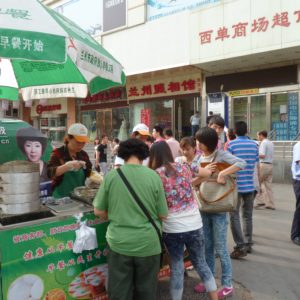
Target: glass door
{"points": [[240, 109], [252, 110], [258, 120], [104, 123]]}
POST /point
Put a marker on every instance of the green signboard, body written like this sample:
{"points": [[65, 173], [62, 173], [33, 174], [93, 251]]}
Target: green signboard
{"points": [[37, 262], [8, 143]]}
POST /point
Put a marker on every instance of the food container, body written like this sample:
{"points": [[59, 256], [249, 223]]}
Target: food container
{"points": [[19, 187]]}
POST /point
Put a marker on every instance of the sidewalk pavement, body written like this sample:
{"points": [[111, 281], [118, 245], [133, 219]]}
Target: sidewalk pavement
{"points": [[272, 271]]}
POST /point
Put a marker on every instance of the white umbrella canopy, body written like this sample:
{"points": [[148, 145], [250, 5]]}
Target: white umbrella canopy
{"points": [[45, 55]]}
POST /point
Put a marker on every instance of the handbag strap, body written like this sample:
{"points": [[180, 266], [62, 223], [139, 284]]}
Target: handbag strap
{"points": [[140, 204]]}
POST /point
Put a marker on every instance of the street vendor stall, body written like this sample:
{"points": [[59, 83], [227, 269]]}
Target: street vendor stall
{"points": [[37, 247], [37, 259], [38, 232], [37, 236]]}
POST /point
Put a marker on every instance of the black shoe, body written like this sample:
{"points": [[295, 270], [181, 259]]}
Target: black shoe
{"points": [[296, 240], [238, 253], [248, 248]]}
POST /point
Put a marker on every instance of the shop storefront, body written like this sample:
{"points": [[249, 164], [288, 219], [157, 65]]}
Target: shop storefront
{"points": [[51, 118], [106, 113], [167, 98], [272, 105]]}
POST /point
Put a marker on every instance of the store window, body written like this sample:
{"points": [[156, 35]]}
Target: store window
{"points": [[11, 112], [279, 115], [152, 113], [120, 123], [88, 118], [240, 109], [284, 115], [54, 127], [112, 122]]}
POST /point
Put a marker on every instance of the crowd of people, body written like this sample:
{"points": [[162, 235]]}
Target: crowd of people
{"points": [[165, 187], [149, 199]]}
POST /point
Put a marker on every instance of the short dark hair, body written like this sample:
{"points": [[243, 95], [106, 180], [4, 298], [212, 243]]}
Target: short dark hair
{"points": [[158, 129], [208, 137], [231, 134], [133, 147], [188, 141], [161, 155], [210, 113], [264, 133], [103, 136], [116, 140], [216, 120], [240, 128], [150, 139], [169, 132], [30, 134]]}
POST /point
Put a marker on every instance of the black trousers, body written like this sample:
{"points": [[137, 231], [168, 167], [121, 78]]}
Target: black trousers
{"points": [[132, 277], [296, 221]]}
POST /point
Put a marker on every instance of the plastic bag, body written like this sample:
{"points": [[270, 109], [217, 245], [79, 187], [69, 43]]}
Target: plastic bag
{"points": [[86, 238]]}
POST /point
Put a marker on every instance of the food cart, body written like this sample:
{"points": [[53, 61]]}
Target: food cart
{"points": [[36, 242]]}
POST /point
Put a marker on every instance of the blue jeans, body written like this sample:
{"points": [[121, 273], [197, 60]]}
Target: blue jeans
{"points": [[246, 201], [296, 221], [195, 128], [215, 233], [194, 242]]}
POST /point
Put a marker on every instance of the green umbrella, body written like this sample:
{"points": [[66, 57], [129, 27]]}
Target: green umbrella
{"points": [[45, 55]]}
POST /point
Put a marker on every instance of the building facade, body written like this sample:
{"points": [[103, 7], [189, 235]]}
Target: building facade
{"points": [[243, 55]]}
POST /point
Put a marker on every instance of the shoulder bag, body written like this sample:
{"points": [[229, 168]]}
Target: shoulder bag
{"points": [[216, 197], [164, 259]]}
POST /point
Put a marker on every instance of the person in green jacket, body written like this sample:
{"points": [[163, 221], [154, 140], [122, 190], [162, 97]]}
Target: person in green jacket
{"points": [[134, 245]]}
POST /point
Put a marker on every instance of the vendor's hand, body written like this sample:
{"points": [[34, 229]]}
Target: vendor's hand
{"points": [[221, 178], [83, 163], [74, 165], [212, 167]]}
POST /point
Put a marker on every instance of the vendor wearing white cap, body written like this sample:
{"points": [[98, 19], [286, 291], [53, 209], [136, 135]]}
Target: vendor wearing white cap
{"points": [[69, 165], [141, 132]]}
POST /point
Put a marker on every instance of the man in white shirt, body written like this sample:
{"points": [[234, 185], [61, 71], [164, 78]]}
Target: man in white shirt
{"points": [[295, 232], [266, 153], [195, 122], [173, 144], [141, 132]]}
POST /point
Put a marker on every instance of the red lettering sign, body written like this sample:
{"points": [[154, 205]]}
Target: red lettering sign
{"points": [[239, 29], [222, 33], [159, 88], [133, 91], [174, 87], [112, 94], [188, 85], [145, 116], [261, 24], [146, 90], [281, 19], [205, 36], [297, 13], [41, 108]]}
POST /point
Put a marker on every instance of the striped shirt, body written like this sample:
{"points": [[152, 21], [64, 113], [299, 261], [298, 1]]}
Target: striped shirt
{"points": [[246, 149]]}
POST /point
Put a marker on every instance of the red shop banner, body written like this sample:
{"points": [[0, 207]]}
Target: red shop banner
{"points": [[145, 116]]}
